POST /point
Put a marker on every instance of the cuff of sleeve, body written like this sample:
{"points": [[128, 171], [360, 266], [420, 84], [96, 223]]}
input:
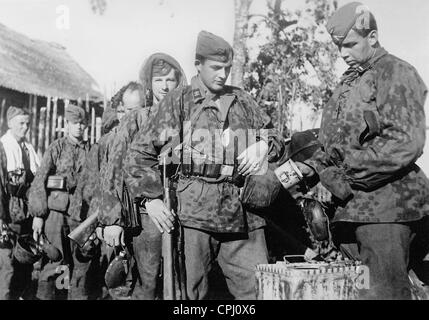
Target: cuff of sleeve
{"points": [[335, 180]]}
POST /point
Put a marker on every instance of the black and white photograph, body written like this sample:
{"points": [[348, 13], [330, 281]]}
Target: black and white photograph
{"points": [[228, 152]]}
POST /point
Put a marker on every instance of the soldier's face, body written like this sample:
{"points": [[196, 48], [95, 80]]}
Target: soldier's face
{"points": [[356, 50], [131, 100], [161, 85], [19, 126], [76, 129], [213, 74]]}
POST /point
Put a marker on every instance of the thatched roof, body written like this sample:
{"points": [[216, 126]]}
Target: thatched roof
{"points": [[42, 68]]}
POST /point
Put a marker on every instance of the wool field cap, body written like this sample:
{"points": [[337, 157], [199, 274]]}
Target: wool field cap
{"points": [[354, 15], [213, 47], [12, 112], [75, 114]]}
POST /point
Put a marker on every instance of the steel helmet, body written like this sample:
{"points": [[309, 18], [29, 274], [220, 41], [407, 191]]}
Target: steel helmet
{"points": [[117, 271], [26, 250]]}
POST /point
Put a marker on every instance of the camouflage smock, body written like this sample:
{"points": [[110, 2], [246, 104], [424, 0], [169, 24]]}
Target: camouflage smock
{"points": [[202, 203], [372, 132], [64, 157], [88, 190], [112, 176]]}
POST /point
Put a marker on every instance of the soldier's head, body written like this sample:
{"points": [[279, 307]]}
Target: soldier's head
{"points": [[76, 121], [213, 60], [127, 98], [160, 74], [353, 29], [18, 121], [164, 79]]}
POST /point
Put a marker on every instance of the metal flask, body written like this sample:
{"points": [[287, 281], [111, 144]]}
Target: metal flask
{"points": [[316, 218], [116, 273]]}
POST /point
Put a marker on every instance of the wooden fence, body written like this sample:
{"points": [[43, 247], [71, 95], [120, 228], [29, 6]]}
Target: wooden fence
{"points": [[47, 120]]}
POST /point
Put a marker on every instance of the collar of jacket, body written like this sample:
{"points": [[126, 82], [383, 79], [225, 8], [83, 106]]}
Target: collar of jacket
{"points": [[200, 91], [354, 72], [81, 144]]}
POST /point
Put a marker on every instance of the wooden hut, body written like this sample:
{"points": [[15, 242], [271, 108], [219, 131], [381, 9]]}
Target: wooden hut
{"points": [[42, 77]]}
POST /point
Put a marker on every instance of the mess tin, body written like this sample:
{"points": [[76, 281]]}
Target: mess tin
{"points": [[288, 174], [56, 182]]}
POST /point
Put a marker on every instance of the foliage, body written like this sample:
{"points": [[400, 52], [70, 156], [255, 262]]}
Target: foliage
{"points": [[98, 6], [298, 61]]}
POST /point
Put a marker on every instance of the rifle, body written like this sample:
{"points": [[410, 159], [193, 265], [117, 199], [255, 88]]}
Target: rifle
{"points": [[83, 232], [167, 241], [173, 261]]}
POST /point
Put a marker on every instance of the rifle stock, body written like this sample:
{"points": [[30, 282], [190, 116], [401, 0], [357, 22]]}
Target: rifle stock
{"points": [[81, 234]]}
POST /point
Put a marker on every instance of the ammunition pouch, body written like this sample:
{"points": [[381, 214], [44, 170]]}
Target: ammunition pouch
{"points": [[58, 200]]}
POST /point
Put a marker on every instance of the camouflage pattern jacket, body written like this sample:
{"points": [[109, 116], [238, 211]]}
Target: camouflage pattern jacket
{"points": [[65, 158], [372, 132], [88, 191], [112, 181], [208, 204]]}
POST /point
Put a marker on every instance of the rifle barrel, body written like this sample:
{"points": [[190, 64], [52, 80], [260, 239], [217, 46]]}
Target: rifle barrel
{"points": [[167, 243]]}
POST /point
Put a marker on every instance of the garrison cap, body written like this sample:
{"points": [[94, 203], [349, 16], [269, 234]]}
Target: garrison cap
{"points": [[354, 15], [213, 47], [161, 68], [12, 112], [75, 114]]}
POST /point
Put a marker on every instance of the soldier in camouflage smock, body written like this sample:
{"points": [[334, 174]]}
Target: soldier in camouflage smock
{"points": [[208, 118], [372, 132], [65, 158], [159, 74], [87, 197]]}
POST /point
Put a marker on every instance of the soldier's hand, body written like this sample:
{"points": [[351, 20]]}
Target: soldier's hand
{"points": [[3, 225], [99, 233], [114, 236], [305, 169], [37, 227], [253, 158], [162, 217]]}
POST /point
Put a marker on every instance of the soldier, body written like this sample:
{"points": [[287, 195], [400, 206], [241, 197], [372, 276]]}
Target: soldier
{"points": [[160, 74], [50, 194], [89, 185], [18, 165], [372, 132], [211, 173]]}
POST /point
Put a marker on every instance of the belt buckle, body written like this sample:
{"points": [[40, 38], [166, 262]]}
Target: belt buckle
{"points": [[226, 170]]}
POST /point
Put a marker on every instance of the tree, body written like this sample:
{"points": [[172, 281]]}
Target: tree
{"points": [[241, 8], [296, 64], [98, 6]]}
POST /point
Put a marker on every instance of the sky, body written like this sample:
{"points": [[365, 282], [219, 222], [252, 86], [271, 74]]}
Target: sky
{"points": [[113, 46]]}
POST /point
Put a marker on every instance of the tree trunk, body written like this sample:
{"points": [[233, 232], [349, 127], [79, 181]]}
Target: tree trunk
{"points": [[240, 36]]}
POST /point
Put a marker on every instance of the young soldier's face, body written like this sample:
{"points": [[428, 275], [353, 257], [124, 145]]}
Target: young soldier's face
{"points": [[213, 74], [356, 50], [161, 85], [19, 126], [76, 129]]}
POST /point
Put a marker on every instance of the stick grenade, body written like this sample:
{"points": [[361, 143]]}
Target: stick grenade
{"points": [[167, 240]]}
